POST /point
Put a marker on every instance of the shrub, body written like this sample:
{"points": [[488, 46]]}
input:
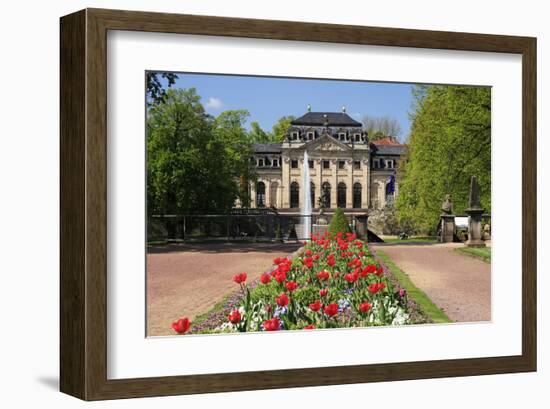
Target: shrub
{"points": [[339, 223]]}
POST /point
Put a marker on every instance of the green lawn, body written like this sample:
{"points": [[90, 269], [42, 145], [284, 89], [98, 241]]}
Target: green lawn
{"points": [[423, 301], [419, 239], [483, 253]]}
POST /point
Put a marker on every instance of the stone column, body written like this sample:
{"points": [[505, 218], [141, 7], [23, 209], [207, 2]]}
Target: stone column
{"points": [[253, 195], [318, 182], [334, 184], [474, 212], [267, 183], [349, 184], [365, 184], [381, 194], [285, 183]]}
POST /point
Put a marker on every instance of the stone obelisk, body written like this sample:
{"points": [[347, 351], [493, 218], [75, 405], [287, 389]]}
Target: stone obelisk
{"points": [[474, 212]]}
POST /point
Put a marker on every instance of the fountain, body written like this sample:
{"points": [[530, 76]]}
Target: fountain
{"points": [[305, 209]]}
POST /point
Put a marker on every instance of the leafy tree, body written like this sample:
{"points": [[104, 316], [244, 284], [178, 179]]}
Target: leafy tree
{"points": [[338, 223], [450, 141], [381, 127], [257, 134], [279, 130], [194, 161], [155, 91]]}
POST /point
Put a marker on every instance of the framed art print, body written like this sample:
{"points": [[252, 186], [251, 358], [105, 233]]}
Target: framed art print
{"points": [[253, 204]]}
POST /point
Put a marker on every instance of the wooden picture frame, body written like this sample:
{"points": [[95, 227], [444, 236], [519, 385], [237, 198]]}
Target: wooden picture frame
{"points": [[83, 209]]}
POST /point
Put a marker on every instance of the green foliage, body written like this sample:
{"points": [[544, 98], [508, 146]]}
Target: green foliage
{"points": [[450, 141], [339, 223], [194, 161], [155, 91], [276, 135]]}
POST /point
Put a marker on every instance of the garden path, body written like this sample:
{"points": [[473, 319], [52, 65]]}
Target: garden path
{"points": [[189, 279], [458, 284]]}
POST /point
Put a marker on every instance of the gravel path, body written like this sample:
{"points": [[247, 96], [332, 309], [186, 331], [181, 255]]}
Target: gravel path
{"points": [[458, 284], [188, 279]]}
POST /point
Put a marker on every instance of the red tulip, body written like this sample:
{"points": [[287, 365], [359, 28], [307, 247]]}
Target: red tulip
{"points": [[291, 286], [351, 277], [272, 324], [310, 326], [330, 260], [365, 307], [374, 288], [379, 271], [323, 275], [316, 306], [239, 278], [308, 262], [331, 309], [282, 300], [308, 252], [235, 317], [265, 278], [182, 325], [280, 276], [323, 292]]}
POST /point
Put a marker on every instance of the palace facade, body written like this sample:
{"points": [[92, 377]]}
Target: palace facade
{"points": [[346, 169]]}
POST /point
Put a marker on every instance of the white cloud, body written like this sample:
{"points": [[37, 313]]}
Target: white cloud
{"points": [[214, 103]]}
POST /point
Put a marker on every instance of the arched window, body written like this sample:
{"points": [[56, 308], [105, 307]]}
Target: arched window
{"points": [[273, 190], [260, 194], [357, 195], [326, 194], [341, 199], [312, 188], [294, 195]]}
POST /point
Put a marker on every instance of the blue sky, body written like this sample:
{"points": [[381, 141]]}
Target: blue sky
{"points": [[267, 98]]}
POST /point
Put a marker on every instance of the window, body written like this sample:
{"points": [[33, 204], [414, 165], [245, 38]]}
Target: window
{"points": [[376, 164], [294, 195], [310, 135], [260, 163], [294, 164], [310, 164], [312, 189], [275, 163], [357, 195], [357, 137], [342, 136], [260, 194], [389, 164], [267, 161], [341, 197], [341, 164], [326, 164], [326, 194], [357, 165]]}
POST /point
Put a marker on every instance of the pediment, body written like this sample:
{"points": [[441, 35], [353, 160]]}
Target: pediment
{"points": [[326, 143]]}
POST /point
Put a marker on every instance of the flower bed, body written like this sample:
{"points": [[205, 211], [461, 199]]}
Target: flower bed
{"points": [[334, 283]]}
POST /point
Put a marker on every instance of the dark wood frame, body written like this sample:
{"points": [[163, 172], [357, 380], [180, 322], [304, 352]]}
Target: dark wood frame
{"points": [[84, 205]]}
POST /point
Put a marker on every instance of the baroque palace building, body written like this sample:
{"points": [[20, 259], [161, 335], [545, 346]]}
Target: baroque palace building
{"points": [[353, 173]]}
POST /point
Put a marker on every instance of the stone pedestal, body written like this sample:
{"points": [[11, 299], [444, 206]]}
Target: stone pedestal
{"points": [[447, 228], [361, 229], [474, 228]]}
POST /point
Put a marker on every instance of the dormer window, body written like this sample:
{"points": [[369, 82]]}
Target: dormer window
{"points": [[376, 164], [275, 163], [389, 164], [357, 137], [267, 161], [294, 135], [342, 136], [310, 135], [260, 163]]}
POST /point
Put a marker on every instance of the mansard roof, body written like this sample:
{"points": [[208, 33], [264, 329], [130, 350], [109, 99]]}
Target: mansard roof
{"points": [[328, 118], [388, 146], [267, 147]]}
